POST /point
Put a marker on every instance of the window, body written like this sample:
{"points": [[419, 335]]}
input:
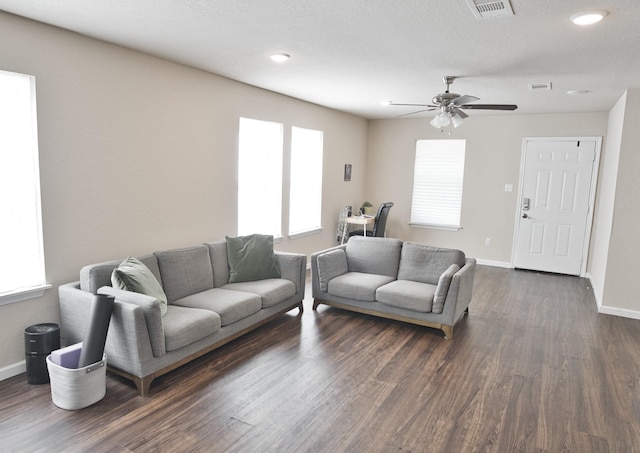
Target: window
{"points": [[22, 274], [260, 177], [437, 183], [305, 191]]}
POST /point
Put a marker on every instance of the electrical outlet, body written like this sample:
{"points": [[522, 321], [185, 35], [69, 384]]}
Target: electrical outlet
{"points": [[508, 187], [487, 241]]}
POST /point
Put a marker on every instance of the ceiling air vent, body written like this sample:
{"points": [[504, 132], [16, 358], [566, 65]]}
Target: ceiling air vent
{"points": [[486, 9]]}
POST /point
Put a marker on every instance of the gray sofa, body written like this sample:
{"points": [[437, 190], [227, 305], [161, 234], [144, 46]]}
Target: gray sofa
{"points": [[204, 311], [387, 277]]}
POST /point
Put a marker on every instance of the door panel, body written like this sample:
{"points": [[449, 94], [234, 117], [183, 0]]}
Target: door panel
{"points": [[554, 210]]}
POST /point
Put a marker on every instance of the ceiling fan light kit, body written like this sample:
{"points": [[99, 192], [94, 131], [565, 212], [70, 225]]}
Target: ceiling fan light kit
{"points": [[451, 105]]}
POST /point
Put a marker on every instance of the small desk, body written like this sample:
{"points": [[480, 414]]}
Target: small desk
{"points": [[363, 220]]}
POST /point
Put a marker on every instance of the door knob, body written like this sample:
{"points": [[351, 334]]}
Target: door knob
{"points": [[525, 216]]}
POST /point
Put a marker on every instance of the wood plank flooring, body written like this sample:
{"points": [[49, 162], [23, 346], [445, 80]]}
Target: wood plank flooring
{"points": [[533, 368]]}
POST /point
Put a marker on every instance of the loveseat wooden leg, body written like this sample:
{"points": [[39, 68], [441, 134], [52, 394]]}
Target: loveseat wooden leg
{"points": [[301, 308], [315, 304]]}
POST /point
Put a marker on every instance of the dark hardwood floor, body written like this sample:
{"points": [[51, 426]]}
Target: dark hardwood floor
{"points": [[532, 368]]}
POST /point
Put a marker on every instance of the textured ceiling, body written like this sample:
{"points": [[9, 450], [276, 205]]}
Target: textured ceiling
{"points": [[352, 54]]}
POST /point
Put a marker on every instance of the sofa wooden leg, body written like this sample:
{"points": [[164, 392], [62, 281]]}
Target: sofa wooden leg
{"points": [[143, 385], [315, 304], [301, 308], [448, 332]]}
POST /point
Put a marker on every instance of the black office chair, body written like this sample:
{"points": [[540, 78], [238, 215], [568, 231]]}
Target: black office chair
{"points": [[379, 225]]}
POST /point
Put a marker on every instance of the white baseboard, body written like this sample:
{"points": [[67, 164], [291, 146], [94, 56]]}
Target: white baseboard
{"points": [[13, 370], [608, 310], [622, 312], [494, 263]]}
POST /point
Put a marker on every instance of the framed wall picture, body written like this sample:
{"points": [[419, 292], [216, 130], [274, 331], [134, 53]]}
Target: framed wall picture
{"points": [[347, 172]]}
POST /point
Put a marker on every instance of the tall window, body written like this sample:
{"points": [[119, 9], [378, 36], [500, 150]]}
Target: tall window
{"points": [[305, 192], [21, 249], [260, 177], [437, 183]]}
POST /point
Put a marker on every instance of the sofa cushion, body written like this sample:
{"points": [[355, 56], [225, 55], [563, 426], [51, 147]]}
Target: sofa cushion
{"points": [[183, 326], [133, 275], [271, 291], [363, 255], [232, 306], [219, 262], [185, 271], [251, 258], [407, 294], [423, 263], [357, 285], [330, 265], [95, 276]]}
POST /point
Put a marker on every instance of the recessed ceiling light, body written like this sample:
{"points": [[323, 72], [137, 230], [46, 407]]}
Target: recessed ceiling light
{"points": [[280, 57], [386, 102], [577, 92], [588, 17]]}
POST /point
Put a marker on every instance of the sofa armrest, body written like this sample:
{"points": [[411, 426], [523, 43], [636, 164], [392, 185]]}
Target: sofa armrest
{"points": [[152, 314], [128, 344], [293, 266]]}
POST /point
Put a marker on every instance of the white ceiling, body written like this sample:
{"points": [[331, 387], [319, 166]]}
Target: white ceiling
{"points": [[351, 54]]}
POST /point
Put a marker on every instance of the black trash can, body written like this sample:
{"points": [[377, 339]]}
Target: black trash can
{"points": [[39, 341]]}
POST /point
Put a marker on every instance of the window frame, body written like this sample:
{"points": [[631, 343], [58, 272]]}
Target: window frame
{"points": [[312, 154], [432, 175], [25, 139]]}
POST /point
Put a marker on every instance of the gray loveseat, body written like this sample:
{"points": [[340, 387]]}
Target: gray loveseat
{"points": [[387, 277], [204, 310]]}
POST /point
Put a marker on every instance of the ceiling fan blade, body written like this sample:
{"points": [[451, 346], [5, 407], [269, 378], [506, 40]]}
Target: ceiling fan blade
{"points": [[460, 113], [465, 99], [413, 113], [488, 106]]}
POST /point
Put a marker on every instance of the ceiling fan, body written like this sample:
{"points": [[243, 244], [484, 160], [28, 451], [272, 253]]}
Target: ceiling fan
{"points": [[451, 106]]}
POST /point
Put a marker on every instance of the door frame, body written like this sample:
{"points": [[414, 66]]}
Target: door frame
{"points": [[592, 193]]}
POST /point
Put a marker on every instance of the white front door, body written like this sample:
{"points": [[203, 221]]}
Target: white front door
{"points": [[555, 196]]}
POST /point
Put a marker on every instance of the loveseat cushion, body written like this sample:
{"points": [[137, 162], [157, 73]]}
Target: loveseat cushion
{"points": [[232, 306], [407, 294], [271, 290], [364, 255], [357, 285], [183, 326], [185, 271], [423, 263], [330, 265]]}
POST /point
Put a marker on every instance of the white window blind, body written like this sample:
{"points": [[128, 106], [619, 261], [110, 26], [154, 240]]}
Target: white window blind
{"points": [[305, 192], [260, 177], [437, 183], [22, 256]]}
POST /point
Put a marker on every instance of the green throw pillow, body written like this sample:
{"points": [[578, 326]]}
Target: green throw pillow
{"points": [[251, 258], [133, 275]]}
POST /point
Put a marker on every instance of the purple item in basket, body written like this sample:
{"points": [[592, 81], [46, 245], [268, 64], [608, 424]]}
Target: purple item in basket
{"points": [[67, 357]]}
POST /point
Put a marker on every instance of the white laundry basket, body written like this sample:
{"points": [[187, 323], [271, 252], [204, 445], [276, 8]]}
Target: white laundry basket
{"points": [[76, 388]]}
